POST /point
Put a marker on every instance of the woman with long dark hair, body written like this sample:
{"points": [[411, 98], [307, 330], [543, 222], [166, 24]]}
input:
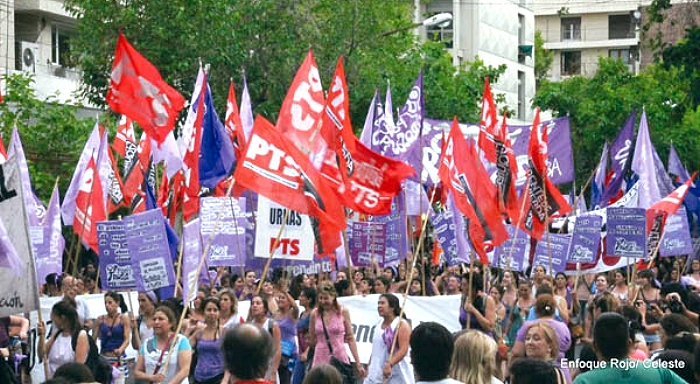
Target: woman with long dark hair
{"points": [[59, 349], [395, 369], [258, 316], [207, 342], [114, 331], [307, 299], [477, 309]]}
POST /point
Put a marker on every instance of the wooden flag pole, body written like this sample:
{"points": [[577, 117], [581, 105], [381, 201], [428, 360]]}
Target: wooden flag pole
{"points": [[272, 252]]}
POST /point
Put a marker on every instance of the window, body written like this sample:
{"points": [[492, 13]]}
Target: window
{"points": [[620, 27], [521, 38], [60, 46], [444, 35], [571, 28], [620, 54], [521, 95], [570, 63]]}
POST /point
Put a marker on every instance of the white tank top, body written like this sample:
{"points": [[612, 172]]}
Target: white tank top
{"points": [[401, 373], [61, 352]]}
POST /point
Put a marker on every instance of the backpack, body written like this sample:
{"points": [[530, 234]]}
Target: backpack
{"points": [[101, 370]]}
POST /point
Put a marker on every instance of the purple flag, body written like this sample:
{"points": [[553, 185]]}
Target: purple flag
{"points": [[553, 246], [48, 253], [35, 210], [374, 107], [585, 240], [598, 183], [149, 249], [92, 147], [445, 231], [619, 158], [655, 183], [410, 125], [511, 254], [224, 219], [216, 157], [9, 258], [191, 254], [675, 166], [246, 110], [677, 240], [396, 234], [115, 261], [366, 242], [626, 232], [459, 221]]}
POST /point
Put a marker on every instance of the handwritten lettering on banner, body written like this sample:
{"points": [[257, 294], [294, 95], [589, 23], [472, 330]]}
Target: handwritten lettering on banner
{"points": [[626, 235], [115, 260], [149, 250], [297, 240], [552, 246], [585, 239], [366, 242], [224, 218], [677, 240], [511, 254]]}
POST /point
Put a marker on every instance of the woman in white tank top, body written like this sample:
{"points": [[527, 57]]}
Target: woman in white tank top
{"points": [[395, 367]]}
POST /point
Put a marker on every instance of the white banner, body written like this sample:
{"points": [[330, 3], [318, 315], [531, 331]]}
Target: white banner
{"points": [[297, 240]]}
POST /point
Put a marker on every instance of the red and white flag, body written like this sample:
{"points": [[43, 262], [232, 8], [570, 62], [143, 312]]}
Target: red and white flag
{"points": [[138, 91], [125, 137], [89, 207], [232, 122], [3, 152], [660, 211]]}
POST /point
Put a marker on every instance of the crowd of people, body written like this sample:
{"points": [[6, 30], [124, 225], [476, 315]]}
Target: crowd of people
{"points": [[514, 328]]}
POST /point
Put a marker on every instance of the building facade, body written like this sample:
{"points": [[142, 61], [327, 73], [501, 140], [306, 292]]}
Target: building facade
{"points": [[497, 33]]}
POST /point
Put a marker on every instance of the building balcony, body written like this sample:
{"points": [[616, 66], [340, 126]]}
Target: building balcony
{"points": [[578, 44]]}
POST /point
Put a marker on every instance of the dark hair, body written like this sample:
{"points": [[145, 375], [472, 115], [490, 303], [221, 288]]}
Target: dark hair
{"points": [[545, 305], [323, 374], [247, 351], [168, 312], [675, 288], [634, 319], [587, 355], [310, 294], [685, 371], [544, 289], [606, 335], [232, 296], [606, 302], [683, 341], [341, 286], [675, 323], [431, 351], [560, 274], [646, 274], [66, 309], [207, 300], [526, 370], [74, 373], [393, 302], [119, 299], [262, 298], [384, 281]]}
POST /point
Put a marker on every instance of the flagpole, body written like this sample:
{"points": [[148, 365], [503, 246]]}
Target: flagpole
{"points": [[651, 260], [235, 226], [82, 228], [515, 235], [410, 277], [272, 252]]}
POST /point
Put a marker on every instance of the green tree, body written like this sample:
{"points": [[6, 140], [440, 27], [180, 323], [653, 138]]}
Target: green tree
{"points": [[598, 107], [52, 135], [543, 59], [269, 38]]}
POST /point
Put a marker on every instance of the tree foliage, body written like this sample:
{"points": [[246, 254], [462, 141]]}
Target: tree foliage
{"points": [[543, 59], [52, 135], [598, 107], [269, 39]]}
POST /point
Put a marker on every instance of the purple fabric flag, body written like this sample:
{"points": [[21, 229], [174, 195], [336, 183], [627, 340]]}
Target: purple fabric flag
{"points": [[626, 232], [115, 260], [511, 254], [598, 183], [374, 106], [431, 145], [396, 234], [410, 126], [463, 246], [148, 245], [223, 221], [191, 254], [169, 153], [92, 147], [9, 258], [34, 209], [675, 166], [655, 183], [49, 253], [619, 158], [366, 242], [104, 168], [389, 110], [246, 111], [553, 246], [216, 157], [560, 154], [445, 231], [585, 240], [677, 240], [417, 202]]}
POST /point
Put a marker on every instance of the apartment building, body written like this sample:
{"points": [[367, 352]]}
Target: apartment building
{"points": [[497, 32]]}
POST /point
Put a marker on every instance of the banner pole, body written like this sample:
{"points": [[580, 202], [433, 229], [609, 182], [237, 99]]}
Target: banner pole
{"points": [[272, 252]]}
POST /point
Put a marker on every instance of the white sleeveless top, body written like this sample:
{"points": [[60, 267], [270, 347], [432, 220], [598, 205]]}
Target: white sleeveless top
{"points": [[61, 352], [401, 373]]}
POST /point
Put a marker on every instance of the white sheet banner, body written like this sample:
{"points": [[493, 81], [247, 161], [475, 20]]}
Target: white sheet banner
{"points": [[297, 240]]}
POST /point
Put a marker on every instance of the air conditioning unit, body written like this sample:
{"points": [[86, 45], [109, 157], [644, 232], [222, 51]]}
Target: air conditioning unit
{"points": [[29, 52]]}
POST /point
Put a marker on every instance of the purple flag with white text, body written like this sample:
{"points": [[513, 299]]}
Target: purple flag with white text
{"points": [[620, 151]]}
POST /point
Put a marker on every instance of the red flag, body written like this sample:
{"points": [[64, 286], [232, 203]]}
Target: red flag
{"points": [[437, 253], [660, 211], [116, 197], [232, 122], [138, 91], [544, 201], [475, 196], [3, 152], [125, 136], [364, 180], [506, 173], [489, 120], [140, 164], [89, 207], [301, 110], [191, 161], [273, 167]]}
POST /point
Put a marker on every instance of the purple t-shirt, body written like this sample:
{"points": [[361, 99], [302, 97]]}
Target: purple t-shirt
{"points": [[563, 334], [4, 331]]}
